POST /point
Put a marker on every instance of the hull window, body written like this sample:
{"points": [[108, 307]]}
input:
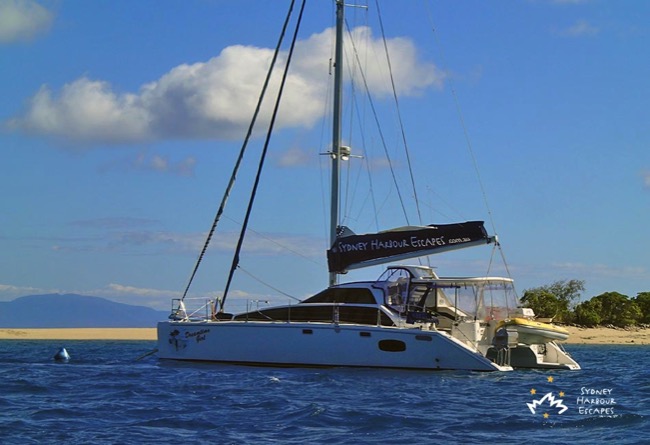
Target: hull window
{"points": [[343, 295], [392, 345], [321, 314]]}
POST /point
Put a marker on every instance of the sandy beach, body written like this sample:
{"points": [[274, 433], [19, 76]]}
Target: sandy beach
{"points": [[79, 334], [608, 336], [577, 335]]}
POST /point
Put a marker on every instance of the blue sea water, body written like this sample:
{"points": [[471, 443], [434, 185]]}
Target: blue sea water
{"points": [[105, 395]]}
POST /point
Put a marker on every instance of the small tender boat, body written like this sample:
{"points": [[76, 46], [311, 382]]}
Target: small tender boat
{"points": [[532, 332]]}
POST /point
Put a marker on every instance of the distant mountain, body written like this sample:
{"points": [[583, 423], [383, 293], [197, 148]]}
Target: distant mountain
{"points": [[75, 311]]}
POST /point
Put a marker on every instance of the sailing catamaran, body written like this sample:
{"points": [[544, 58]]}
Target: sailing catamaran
{"points": [[408, 318]]}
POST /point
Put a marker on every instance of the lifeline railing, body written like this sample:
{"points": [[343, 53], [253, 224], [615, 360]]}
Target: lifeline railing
{"points": [[200, 308]]}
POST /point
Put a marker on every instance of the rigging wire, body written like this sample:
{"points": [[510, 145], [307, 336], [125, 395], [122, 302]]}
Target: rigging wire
{"points": [[267, 284], [235, 261], [233, 176], [283, 246], [469, 144], [327, 105], [376, 118], [359, 115], [461, 118], [399, 113]]}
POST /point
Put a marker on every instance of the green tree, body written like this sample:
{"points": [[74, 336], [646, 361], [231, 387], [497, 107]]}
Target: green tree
{"points": [[642, 300], [554, 300], [588, 313], [542, 302], [618, 309]]}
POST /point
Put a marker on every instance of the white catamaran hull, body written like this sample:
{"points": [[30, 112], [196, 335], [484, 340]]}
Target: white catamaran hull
{"points": [[317, 344]]}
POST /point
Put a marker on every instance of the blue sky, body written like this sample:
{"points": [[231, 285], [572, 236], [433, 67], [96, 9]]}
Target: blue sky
{"points": [[120, 122]]}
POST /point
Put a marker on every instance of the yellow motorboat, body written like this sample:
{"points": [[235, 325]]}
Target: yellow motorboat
{"points": [[534, 332]]}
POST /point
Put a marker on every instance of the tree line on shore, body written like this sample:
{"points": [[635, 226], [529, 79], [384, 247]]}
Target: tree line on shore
{"points": [[559, 301]]}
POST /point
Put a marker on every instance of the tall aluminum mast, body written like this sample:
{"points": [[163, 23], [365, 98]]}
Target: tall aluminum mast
{"points": [[336, 128]]}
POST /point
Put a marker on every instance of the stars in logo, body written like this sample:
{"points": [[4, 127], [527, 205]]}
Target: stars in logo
{"points": [[549, 398]]}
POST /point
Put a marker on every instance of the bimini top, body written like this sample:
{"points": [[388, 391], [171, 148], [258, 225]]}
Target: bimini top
{"points": [[470, 281]]}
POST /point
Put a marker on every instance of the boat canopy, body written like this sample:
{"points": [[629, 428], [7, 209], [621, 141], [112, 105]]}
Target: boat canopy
{"points": [[351, 251]]}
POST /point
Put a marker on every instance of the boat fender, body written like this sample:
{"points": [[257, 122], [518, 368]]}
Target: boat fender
{"points": [[62, 355]]}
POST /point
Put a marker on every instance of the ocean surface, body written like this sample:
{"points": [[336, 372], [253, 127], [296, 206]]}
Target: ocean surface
{"points": [[108, 393]]}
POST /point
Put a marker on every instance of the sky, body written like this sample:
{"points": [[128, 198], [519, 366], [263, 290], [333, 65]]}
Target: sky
{"points": [[120, 122]]}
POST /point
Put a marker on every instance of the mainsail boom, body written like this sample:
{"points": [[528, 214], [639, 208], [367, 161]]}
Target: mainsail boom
{"points": [[351, 251]]}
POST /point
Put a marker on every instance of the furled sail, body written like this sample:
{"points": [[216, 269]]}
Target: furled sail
{"points": [[351, 251]]}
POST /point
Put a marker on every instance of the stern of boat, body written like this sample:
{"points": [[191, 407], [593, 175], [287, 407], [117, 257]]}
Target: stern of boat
{"points": [[506, 348]]}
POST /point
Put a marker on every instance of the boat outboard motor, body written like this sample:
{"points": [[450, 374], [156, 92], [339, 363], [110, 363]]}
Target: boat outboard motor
{"points": [[62, 355]]}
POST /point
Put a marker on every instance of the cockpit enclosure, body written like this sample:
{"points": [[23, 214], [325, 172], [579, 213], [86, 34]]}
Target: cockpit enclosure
{"points": [[410, 289]]}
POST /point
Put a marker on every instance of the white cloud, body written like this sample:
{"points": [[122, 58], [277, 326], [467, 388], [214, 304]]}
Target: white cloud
{"points": [[140, 296], [85, 110], [570, 2], [114, 222], [294, 157], [214, 99], [113, 235], [9, 292], [154, 241], [142, 292], [579, 29], [152, 163], [410, 75], [161, 298], [646, 178], [600, 270], [22, 20]]}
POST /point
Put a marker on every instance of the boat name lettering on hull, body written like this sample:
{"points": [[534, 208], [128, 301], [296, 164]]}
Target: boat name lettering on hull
{"points": [[198, 335]]}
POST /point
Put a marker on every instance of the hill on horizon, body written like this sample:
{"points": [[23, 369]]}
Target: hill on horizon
{"points": [[75, 311]]}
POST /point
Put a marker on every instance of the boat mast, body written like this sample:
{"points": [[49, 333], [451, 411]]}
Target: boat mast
{"points": [[336, 128]]}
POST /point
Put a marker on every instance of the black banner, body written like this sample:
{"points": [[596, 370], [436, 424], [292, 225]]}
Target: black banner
{"points": [[406, 243]]}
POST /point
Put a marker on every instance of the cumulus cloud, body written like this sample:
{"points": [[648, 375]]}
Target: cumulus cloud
{"points": [[22, 20], [214, 99]]}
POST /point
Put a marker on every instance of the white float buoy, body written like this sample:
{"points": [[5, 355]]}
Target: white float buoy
{"points": [[62, 355]]}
